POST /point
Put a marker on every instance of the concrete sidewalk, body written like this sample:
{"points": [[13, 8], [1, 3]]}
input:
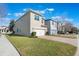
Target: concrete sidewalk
{"points": [[77, 52], [6, 48]]}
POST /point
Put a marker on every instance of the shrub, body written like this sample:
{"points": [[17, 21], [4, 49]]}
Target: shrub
{"points": [[47, 33], [33, 34], [61, 32]]}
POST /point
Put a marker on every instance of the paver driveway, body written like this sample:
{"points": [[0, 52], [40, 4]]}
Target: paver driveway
{"points": [[6, 48]]}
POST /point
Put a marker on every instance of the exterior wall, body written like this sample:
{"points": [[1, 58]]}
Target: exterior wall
{"points": [[51, 26], [47, 23], [37, 23], [27, 24], [59, 27], [23, 25]]}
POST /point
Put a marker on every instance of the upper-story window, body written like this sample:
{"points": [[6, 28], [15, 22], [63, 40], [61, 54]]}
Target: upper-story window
{"points": [[42, 20], [36, 17], [52, 23]]}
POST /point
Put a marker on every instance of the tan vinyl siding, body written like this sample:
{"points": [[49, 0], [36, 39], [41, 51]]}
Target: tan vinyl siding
{"points": [[27, 24], [23, 25], [36, 23]]}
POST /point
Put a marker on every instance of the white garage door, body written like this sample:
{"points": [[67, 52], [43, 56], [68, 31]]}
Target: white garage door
{"points": [[40, 32], [53, 31]]}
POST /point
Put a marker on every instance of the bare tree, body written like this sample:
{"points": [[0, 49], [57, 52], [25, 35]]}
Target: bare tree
{"points": [[63, 25], [67, 26], [59, 20], [75, 30]]}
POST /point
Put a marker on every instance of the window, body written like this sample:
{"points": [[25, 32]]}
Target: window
{"points": [[36, 17], [52, 23], [42, 20], [20, 30], [2, 30], [17, 29]]}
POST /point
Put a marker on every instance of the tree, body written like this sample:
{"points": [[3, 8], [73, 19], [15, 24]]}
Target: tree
{"points": [[78, 31], [59, 22], [11, 26], [68, 27], [75, 30]]}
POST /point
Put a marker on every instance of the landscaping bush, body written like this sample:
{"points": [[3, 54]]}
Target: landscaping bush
{"points": [[33, 34], [47, 33], [61, 32]]}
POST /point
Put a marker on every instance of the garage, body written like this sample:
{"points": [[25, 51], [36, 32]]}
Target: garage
{"points": [[39, 32], [53, 32]]}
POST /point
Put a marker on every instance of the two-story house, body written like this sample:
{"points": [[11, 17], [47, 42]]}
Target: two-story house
{"points": [[51, 26], [31, 21]]}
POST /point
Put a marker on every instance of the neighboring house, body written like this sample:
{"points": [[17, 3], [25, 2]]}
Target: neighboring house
{"points": [[59, 26], [65, 27], [4, 29], [51, 26], [31, 21]]}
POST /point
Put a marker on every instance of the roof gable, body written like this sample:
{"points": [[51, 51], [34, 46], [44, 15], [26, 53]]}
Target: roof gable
{"points": [[30, 10]]}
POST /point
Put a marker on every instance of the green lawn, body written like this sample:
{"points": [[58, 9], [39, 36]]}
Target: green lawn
{"points": [[40, 47]]}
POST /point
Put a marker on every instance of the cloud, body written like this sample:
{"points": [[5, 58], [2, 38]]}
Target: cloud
{"points": [[76, 25], [18, 14], [50, 9], [45, 10], [9, 14], [24, 9], [68, 19], [4, 18], [5, 21], [60, 18], [56, 17], [39, 11]]}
